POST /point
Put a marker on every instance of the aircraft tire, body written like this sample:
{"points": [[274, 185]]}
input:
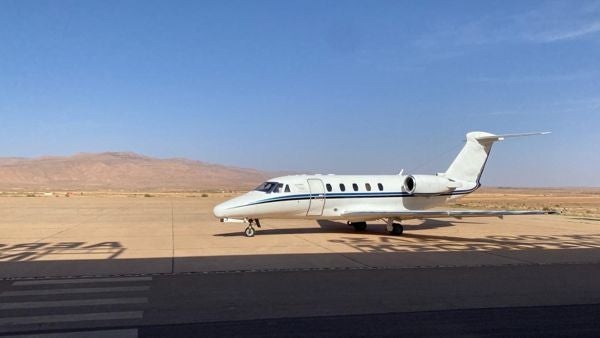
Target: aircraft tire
{"points": [[360, 226], [397, 229], [249, 232]]}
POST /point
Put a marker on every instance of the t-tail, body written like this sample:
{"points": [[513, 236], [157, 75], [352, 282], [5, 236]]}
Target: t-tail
{"points": [[468, 166], [462, 177]]}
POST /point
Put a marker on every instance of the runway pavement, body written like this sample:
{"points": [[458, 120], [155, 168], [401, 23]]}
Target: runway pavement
{"points": [[233, 304], [129, 266]]}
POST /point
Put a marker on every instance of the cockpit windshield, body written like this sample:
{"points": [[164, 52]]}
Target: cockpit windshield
{"points": [[270, 187], [278, 188]]}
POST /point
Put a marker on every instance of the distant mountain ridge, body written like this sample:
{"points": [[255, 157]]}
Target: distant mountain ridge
{"points": [[126, 171]]}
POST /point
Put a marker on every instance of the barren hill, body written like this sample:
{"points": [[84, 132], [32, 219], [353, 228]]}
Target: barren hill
{"points": [[122, 171]]}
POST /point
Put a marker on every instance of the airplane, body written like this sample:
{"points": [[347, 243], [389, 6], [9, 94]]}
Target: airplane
{"points": [[359, 199]]}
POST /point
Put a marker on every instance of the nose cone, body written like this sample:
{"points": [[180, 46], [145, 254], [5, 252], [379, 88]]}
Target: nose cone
{"points": [[235, 207], [220, 211]]}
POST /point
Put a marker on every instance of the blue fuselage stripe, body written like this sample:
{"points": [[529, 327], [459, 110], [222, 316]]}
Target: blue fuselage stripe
{"points": [[327, 196]]}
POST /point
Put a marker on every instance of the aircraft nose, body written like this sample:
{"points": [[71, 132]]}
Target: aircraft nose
{"points": [[220, 210]]}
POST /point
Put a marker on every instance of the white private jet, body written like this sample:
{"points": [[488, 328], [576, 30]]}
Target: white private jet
{"points": [[361, 198]]}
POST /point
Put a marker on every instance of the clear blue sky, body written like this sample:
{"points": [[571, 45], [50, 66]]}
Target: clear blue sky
{"points": [[310, 86]]}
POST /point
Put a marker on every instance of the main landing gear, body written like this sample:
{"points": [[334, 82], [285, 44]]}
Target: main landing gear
{"points": [[249, 232], [358, 226], [394, 228]]}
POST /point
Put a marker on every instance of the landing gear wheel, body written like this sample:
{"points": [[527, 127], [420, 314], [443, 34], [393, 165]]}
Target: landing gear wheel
{"points": [[395, 229], [359, 226], [249, 232]]}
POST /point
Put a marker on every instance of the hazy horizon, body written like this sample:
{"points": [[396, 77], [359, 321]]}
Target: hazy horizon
{"points": [[307, 86], [275, 172]]}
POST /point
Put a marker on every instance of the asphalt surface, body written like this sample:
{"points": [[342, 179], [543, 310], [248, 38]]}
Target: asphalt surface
{"points": [[555, 299], [574, 320]]}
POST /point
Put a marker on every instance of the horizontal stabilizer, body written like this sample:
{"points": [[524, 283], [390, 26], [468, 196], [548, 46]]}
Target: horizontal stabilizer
{"points": [[502, 137]]}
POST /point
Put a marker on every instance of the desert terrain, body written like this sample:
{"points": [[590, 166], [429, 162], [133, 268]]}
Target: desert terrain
{"points": [[580, 202], [133, 175], [122, 171]]}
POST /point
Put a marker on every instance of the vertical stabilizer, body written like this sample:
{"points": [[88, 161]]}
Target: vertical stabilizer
{"points": [[470, 162]]}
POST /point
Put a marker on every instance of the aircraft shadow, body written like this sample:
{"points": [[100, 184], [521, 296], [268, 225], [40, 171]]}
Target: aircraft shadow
{"points": [[295, 231], [372, 249], [326, 226], [436, 224]]}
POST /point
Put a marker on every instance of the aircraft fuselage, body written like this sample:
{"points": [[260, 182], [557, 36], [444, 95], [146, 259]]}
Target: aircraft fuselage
{"points": [[328, 197]]}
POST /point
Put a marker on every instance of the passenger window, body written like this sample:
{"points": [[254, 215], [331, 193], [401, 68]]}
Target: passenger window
{"points": [[328, 186], [355, 186], [287, 188], [380, 186], [342, 187], [368, 186]]}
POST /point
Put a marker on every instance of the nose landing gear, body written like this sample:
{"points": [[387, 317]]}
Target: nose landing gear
{"points": [[249, 232]]}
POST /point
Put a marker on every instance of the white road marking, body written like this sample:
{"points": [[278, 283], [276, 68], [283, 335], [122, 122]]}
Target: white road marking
{"points": [[78, 317], [82, 280], [70, 303], [128, 333], [73, 291]]}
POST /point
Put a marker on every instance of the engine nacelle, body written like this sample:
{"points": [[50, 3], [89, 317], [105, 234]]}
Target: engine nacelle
{"points": [[429, 185]]}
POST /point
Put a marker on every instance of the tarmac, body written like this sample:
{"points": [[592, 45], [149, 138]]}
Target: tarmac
{"points": [[143, 265]]}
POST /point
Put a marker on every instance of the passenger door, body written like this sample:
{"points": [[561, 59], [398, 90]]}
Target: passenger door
{"points": [[317, 197]]}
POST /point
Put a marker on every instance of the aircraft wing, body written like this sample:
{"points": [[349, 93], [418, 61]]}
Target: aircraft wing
{"points": [[415, 214]]}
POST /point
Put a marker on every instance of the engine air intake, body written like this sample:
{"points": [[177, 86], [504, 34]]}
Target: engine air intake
{"points": [[429, 185]]}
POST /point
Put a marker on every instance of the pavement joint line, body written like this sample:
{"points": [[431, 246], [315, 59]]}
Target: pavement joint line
{"points": [[83, 280], [72, 303], [172, 238], [9, 321], [58, 233], [511, 258], [159, 274], [73, 291]]}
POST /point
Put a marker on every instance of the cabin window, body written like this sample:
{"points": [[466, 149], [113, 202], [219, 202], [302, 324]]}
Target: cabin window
{"points": [[355, 186], [342, 187], [328, 186], [368, 186], [380, 186], [287, 188]]}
